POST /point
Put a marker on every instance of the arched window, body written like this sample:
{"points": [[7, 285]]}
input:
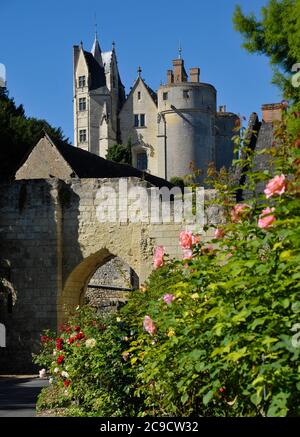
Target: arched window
{"points": [[142, 161]]}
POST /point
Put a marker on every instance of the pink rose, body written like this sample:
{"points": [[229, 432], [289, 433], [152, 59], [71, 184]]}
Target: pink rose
{"points": [[168, 298], [238, 212], [219, 233], [186, 239], [276, 186], [266, 219], [149, 325], [158, 259], [187, 254]]}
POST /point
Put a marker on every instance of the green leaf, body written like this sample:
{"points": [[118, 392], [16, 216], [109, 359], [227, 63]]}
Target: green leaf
{"points": [[208, 397], [235, 356], [184, 398], [278, 407]]}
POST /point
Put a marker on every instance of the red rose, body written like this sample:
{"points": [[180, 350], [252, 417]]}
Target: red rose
{"points": [[77, 328], [44, 339], [60, 359], [71, 340], [59, 344], [222, 390], [67, 383], [68, 330], [79, 336]]}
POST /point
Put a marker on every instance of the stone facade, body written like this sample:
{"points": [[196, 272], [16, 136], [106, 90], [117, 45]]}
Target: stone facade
{"points": [[53, 243], [44, 162], [115, 275], [143, 138]]}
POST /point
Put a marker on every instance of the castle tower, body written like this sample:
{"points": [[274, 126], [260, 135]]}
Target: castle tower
{"points": [[98, 97], [186, 122]]}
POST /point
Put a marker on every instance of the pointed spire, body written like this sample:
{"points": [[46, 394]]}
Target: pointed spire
{"points": [[81, 44], [96, 50], [139, 71], [113, 46]]}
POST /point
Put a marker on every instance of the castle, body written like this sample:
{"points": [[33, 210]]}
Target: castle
{"points": [[168, 130]]}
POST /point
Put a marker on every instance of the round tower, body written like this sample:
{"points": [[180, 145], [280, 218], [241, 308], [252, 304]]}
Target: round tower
{"points": [[186, 120]]}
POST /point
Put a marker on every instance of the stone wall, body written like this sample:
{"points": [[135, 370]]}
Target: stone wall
{"points": [[53, 242], [115, 273]]}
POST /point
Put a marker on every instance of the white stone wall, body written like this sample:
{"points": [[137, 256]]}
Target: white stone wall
{"points": [[81, 118], [144, 139], [187, 126]]}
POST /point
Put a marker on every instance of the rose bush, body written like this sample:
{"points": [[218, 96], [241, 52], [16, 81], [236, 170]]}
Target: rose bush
{"points": [[214, 334]]}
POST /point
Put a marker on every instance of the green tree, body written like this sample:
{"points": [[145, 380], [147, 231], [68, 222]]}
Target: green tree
{"points": [[18, 134], [275, 34], [120, 153]]}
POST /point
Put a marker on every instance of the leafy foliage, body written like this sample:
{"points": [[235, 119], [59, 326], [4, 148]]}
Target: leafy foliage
{"points": [[120, 153], [216, 334], [276, 35]]}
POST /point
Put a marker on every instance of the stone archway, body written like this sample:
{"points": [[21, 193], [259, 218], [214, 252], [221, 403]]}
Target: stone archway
{"points": [[77, 282]]}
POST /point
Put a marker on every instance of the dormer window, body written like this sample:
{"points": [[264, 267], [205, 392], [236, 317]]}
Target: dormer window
{"points": [[82, 104], [81, 81]]}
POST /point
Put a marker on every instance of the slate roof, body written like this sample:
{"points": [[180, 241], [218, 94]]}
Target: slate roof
{"points": [[97, 73], [88, 165], [106, 59]]}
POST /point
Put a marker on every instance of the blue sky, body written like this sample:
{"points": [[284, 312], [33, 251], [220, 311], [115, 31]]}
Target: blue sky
{"points": [[36, 39]]}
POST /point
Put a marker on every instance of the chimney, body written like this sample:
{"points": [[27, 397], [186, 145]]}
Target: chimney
{"points": [[272, 112], [170, 77], [195, 75], [179, 71]]}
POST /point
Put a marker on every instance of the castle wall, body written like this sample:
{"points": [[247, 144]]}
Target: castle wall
{"points": [[52, 239]]}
